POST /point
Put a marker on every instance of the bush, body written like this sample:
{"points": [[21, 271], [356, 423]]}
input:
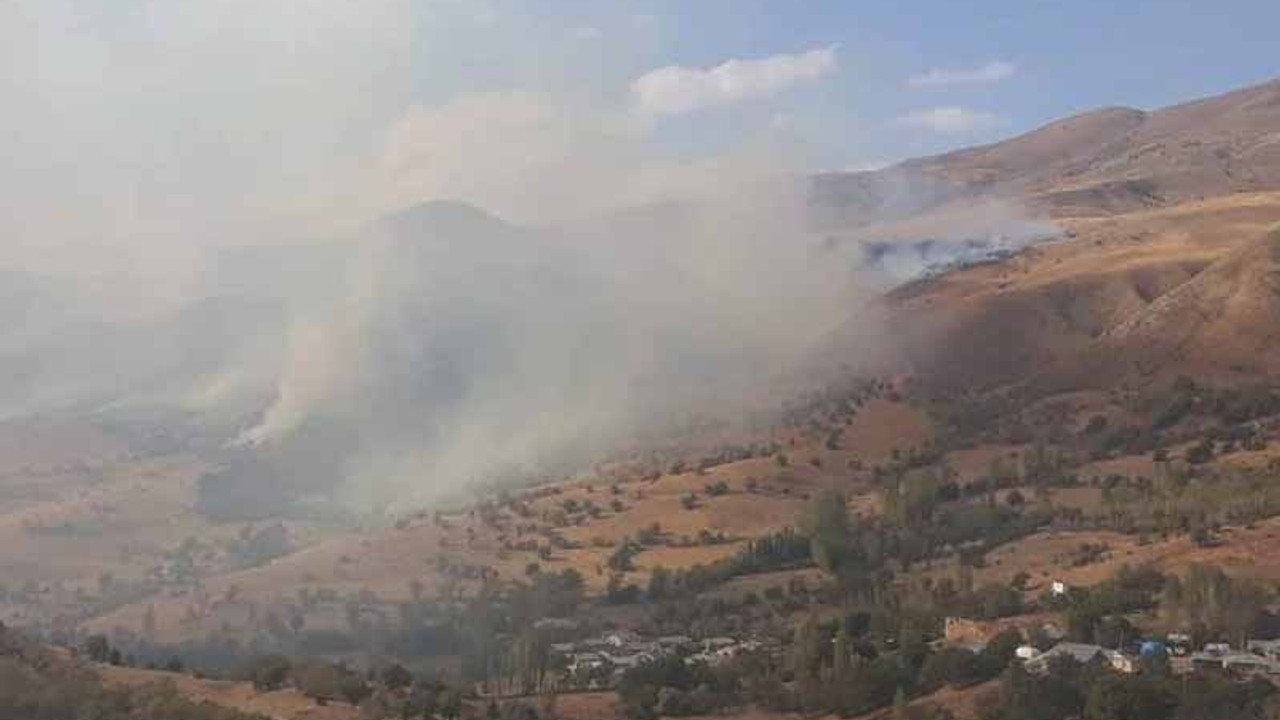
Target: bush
{"points": [[320, 681], [1201, 453], [269, 672], [395, 676]]}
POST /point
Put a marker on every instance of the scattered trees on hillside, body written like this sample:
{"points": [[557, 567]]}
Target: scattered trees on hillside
{"points": [[829, 534], [1213, 603], [38, 685]]}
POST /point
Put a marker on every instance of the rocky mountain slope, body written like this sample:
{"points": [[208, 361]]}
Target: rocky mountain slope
{"points": [[1163, 265]]}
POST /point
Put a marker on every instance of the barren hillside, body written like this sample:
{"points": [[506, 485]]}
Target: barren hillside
{"points": [[1113, 160], [1144, 295]]}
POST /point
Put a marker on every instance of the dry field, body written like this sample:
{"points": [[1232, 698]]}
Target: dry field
{"points": [[286, 704], [385, 565], [587, 706], [1049, 556], [963, 704]]}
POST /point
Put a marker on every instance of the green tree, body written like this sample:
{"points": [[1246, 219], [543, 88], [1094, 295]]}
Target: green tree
{"points": [[320, 681], [98, 648], [269, 672], [395, 676], [830, 535], [900, 709], [659, 583]]}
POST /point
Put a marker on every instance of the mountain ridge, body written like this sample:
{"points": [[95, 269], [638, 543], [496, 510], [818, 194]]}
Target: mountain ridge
{"points": [[1105, 161]]}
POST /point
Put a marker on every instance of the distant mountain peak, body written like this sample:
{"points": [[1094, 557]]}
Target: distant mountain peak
{"points": [[445, 217]]}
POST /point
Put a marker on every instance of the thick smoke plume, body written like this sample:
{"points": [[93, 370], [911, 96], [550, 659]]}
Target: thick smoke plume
{"points": [[457, 347], [234, 210]]}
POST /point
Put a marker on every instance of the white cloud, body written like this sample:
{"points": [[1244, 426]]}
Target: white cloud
{"points": [[994, 71], [585, 33], [951, 120], [171, 128], [539, 158], [676, 89]]}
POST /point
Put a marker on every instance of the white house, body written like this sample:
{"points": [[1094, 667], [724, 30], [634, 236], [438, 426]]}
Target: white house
{"points": [[621, 638], [1080, 653], [1120, 662]]}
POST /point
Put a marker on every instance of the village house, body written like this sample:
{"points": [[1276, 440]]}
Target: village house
{"points": [[602, 660], [1120, 662], [621, 638], [1269, 649], [586, 661], [674, 642], [1245, 663], [1237, 663], [1081, 653], [719, 650]]}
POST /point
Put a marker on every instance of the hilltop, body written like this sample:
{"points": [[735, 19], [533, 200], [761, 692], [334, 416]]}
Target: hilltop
{"points": [[1103, 162]]}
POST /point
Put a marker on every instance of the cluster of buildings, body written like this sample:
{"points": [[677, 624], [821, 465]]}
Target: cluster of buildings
{"points": [[600, 661], [1259, 657]]}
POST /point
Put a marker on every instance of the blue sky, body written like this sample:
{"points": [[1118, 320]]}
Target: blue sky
{"points": [[1057, 58], [241, 118]]}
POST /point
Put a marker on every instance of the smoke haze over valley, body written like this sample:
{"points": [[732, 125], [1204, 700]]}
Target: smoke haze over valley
{"points": [[211, 212]]}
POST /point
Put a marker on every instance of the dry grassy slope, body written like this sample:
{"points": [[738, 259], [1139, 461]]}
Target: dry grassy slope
{"points": [[1185, 288], [1220, 145], [1049, 556], [76, 504], [1226, 320], [1154, 277], [386, 562], [142, 505], [47, 445], [67, 524], [285, 704], [963, 704]]}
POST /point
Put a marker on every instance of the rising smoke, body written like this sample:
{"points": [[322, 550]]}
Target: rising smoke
{"points": [[210, 208], [457, 347]]}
